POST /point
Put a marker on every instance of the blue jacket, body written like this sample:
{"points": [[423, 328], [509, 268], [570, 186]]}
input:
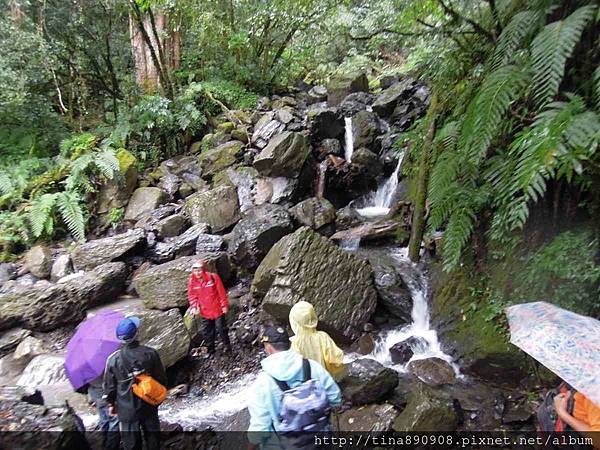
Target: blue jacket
{"points": [[265, 396]]}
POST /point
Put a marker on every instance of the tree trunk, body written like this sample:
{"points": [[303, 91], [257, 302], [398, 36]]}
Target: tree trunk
{"points": [[418, 219]]}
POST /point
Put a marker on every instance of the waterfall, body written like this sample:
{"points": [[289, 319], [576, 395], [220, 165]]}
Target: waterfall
{"points": [[350, 244], [349, 143], [379, 203], [420, 327]]}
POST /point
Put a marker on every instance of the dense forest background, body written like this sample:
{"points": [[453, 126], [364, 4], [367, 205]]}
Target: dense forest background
{"points": [[505, 162]]}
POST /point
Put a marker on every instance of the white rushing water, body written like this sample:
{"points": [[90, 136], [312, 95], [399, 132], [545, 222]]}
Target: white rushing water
{"points": [[349, 140], [350, 244], [420, 327], [380, 202]]}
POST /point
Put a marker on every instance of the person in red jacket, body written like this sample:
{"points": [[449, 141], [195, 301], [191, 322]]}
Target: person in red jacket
{"points": [[208, 297]]}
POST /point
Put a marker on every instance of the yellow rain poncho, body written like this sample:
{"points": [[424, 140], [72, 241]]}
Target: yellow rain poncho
{"points": [[313, 344]]}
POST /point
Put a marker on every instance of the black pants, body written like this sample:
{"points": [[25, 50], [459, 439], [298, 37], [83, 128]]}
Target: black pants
{"points": [[209, 332], [131, 433]]}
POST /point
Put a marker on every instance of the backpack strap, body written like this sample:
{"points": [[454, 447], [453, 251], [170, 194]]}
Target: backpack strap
{"points": [[282, 385], [306, 369]]}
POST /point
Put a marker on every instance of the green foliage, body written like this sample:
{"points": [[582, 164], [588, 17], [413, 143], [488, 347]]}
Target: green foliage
{"points": [[231, 94]]}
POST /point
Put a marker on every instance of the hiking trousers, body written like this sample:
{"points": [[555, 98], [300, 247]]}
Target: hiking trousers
{"points": [[210, 326], [145, 430]]}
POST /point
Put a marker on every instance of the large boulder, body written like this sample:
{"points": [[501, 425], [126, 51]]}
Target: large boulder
{"points": [[171, 226], [403, 351], [11, 338], [99, 251], [182, 245], [307, 266], [61, 267], [217, 159], [38, 261], [369, 418], [258, 230], [143, 200], [218, 207], [265, 129], [342, 85], [43, 370], [207, 243], [385, 102], [314, 212], [99, 286], [365, 129], [368, 382], [115, 193], [165, 286], [166, 333], [355, 102], [284, 156], [427, 411], [325, 123], [433, 371], [29, 348]]}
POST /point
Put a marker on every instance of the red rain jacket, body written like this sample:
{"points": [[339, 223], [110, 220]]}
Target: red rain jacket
{"points": [[207, 293]]}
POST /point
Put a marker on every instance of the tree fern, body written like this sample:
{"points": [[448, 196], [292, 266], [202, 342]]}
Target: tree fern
{"points": [[41, 215], [522, 25], [597, 87], [551, 48], [6, 184], [71, 212], [106, 162]]}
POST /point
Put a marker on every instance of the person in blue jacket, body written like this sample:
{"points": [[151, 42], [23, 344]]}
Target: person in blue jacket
{"points": [[285, 365]]}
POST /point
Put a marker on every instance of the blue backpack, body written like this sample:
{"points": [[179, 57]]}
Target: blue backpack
{"points": [[305, 407]]}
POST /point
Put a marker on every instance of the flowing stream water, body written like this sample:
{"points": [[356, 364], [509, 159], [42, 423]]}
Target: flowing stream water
{"points": [[380, 201], [349, 140]]}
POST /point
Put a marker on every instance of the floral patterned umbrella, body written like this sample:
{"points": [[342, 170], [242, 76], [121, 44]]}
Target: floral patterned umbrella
{"points": [[566, 343]]}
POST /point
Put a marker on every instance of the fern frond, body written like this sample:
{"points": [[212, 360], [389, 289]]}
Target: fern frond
{"points": [[107, 163], [6, 184], [71, 212], [77, 177], [597, 87], [521, 26], [447, 136], [551, 48], [40, 214]]}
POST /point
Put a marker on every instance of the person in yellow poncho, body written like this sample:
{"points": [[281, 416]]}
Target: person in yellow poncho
{"points": [[313, 344]]}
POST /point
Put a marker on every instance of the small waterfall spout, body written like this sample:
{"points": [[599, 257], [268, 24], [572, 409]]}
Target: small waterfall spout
{"points": [[349, 143], [350, 244], [380, 202]]}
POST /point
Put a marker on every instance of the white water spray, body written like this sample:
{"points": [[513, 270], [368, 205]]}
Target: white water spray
{"points": [[380, 202], [349, 140]]}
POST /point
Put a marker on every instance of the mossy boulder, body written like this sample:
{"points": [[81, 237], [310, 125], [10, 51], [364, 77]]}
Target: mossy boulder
{"points": [[226, 127], [99, 251], [284, 156], [427, 411], [218, 207], [115, 193], [368, 381], [143, 200], [219, 158], [344, 84], [307, 266]]}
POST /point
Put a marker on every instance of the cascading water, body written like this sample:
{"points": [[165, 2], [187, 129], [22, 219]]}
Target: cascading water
{"points": [[379, 203], [349, 140], [418, 284]]}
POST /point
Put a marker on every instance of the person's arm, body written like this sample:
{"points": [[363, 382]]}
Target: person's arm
{"points": [[109, 385], [334, 394], [191, 298], [223, 300], [561, 402], [261, 424]]}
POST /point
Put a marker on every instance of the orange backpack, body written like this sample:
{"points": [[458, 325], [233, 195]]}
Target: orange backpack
{"points": [[149, 390]]}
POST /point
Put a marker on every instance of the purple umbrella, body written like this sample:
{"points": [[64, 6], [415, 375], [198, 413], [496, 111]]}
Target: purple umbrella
{"points": [[93, 342]]}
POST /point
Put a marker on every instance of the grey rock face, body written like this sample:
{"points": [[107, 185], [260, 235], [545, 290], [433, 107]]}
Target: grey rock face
{"points": [[218, 207], [143, 200], [368, 382], [93, 253], [284, 156]]}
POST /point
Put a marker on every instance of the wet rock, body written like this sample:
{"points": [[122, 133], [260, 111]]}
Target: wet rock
{"points": [[166, 333], [365, 129], [171, 226], [353, 103], [143, 200], [38, 261], [149, 220], [8, 271], [317, 94], [433, 371], [11, 369], [218, 207], [401, 352], [11, 338], [366, 164], [258, 230], [368, 418], [182, 245], [387, 81], [165, 286], [21, 394], [94, 253], [284, 115], [368, 382], [386, 102], [314, 212], [29, 348], [307, 266], [43, 370], [217, 159], [170, 184], [346, 218], [115, 193], [325, 123], [207, 243], [364, 344], [368, 231], [426, 411], [328, 147], [517, 414], [101, 285], [342, 85], [284, 156], [61, 267], [266, 128]]}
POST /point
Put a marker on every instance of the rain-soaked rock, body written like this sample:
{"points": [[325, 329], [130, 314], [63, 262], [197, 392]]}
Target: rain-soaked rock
{"points": [[61, 267], [165, 286], [29, 348], [171, 226], [341, 85], [38, 261], [8, 271], [368, 382], [427, 411], [284, 156], [148, 221], [433, 371], [386, 101], [209, 243], [166, 333], [317, 94], [307, 266], [99, 251], [175, 247], [43, 370], [314, 212], [325, 123], [365, 128], [368, 418], [21, 394], [258, 230], [364, 344], [170, 184], [217, 159], [11, 338], [143, 200], [266, 128], [355, 102], [328, 147], [218, 207], [402, 351], [101, 285]]}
